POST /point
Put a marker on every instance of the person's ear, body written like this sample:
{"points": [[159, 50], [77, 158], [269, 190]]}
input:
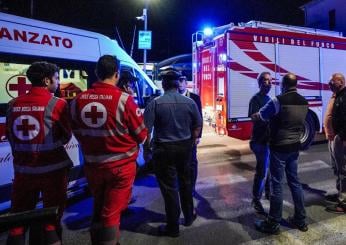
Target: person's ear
{"points": [[46, 81]]}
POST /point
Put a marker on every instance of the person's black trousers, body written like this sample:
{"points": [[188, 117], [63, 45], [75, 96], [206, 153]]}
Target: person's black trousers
{"points": [[172, 168]]}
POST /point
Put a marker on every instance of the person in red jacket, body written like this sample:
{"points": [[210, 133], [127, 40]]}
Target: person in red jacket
{"points": [[37, 127], [109, 126]]}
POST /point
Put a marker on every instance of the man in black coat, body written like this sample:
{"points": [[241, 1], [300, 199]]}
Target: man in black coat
{"points": [[194, 161]]}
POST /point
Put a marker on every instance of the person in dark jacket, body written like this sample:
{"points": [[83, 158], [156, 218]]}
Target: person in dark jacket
{"points": [[337, 84], [195, 97], [176, 124], [286, 114], [259, 142]]}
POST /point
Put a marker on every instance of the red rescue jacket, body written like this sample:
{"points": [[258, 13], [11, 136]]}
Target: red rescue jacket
{"points": [[37, 127], [108, 124]]}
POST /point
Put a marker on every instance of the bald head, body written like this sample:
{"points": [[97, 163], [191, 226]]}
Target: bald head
{"points": [[289, 81], [339, 76], [337, 82]]}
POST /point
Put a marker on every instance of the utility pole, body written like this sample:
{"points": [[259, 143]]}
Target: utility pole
{"points": [[31, 8], [145, 15]]}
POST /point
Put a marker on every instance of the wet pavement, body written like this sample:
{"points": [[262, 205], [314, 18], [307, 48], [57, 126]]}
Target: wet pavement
{"points": [[225, 215]]}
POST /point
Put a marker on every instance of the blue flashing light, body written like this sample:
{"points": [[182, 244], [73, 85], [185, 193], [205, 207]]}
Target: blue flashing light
{"points": [[208, 31]]}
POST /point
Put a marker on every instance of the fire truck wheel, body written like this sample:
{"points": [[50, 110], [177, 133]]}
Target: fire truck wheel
{"points": [[308, 132]]}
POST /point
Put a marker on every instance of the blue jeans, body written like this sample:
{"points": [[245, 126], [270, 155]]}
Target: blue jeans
{"points": [[262, 175], [280, 162]]}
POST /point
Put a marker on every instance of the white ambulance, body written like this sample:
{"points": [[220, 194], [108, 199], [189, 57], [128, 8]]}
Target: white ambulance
{"points": [[75, 51], [228, 60]]}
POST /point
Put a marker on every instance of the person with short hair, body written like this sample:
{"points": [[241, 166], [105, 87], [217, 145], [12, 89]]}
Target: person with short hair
{"points": [[109, 126], [259, 143], [286, 114], [337, 84], [176, 124], [38, 127]]}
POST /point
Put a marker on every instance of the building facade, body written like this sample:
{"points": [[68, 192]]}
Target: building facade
{"points": [[326, 14]]}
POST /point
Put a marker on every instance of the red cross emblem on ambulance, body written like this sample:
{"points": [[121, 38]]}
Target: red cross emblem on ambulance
{"points": [[17, 85], [94, 114], [26, 127]]}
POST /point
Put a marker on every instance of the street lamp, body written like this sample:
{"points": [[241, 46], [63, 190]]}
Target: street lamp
{"points": [[144, 18]]}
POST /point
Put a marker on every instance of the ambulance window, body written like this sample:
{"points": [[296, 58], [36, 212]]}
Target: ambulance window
{"points": [[145, 89], [15, 83], [72, 82], [137, 92]]}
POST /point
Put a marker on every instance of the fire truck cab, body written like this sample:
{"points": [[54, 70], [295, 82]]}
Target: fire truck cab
{"points": [[75, 51], [227, 62]]}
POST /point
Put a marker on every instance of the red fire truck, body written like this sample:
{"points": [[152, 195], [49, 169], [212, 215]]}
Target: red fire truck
{"points": [[227, 62]]}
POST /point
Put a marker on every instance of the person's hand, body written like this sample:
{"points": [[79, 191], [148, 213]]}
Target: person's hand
{"points": [[255, 116], [197, 140]]}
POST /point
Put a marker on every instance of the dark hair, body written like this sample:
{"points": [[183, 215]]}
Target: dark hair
{"points": [[261, 77], [39, 71], [107, 66], [289, 80], [170, 83]]}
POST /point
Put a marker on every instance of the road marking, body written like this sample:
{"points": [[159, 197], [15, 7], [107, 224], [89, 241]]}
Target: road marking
{"points": [[219, 180], [312, 166]]}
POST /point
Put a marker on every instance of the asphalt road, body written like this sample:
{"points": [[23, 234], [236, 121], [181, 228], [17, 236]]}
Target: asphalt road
{"points": [[225, 215]]}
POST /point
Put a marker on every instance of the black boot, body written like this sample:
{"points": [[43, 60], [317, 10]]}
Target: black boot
{"points": [[267, 226]]}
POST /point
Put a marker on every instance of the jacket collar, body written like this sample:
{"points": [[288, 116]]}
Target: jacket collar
{"points": [[104, 85], [291, 90], [39, 91]]}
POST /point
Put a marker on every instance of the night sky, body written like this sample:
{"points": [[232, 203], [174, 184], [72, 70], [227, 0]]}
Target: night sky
{"points": [[172, 21]]}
